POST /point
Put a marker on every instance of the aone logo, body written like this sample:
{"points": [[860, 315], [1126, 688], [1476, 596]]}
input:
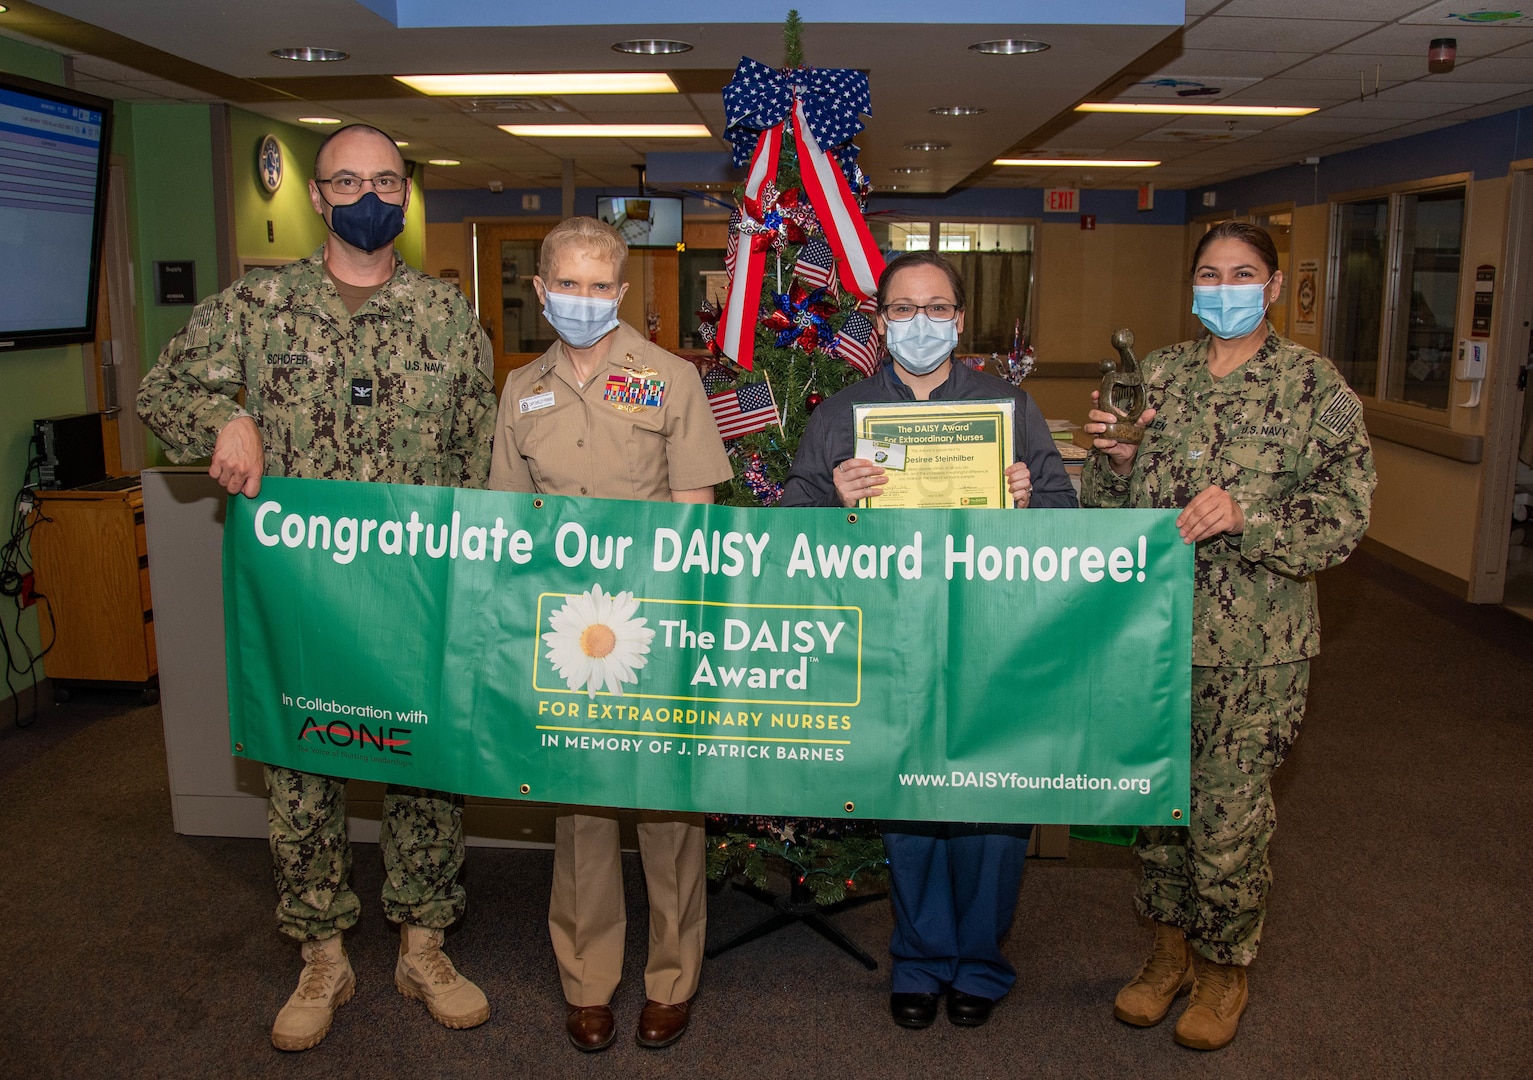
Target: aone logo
{"points": [[340, 733]]}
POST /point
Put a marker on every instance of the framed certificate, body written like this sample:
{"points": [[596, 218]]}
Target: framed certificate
{"points": [[955, 452]]}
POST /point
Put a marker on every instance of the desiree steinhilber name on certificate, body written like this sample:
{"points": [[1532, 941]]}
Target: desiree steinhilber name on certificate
{"points": [[938, 454]]}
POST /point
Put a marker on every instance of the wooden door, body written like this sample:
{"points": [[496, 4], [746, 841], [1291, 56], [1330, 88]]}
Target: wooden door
{"points": [[508, 305]]}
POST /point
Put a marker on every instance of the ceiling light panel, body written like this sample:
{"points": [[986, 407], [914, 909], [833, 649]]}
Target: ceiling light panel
{"points": [[1074, 163], [1167, 108], [608, 131], [512, 85]]}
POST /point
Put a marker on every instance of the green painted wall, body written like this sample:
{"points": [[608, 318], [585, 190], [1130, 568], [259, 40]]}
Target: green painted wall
{"points": [[296, 229], [33, 382]]}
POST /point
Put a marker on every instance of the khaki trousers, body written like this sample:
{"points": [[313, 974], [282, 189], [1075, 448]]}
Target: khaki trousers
{"points": [[587, 916]]}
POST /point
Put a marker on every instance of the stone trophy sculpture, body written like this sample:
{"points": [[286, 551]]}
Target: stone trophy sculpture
{"points": [[1122, 390]]}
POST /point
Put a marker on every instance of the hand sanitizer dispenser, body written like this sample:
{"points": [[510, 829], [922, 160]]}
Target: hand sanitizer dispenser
{"points": [[1471, 369]]}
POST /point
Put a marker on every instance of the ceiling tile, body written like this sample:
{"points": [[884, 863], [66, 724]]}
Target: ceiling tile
{"points": [[1215, 62], [1495, 69], [1379, 10], [1266, 35], [1383, 111], [1401, 40]]}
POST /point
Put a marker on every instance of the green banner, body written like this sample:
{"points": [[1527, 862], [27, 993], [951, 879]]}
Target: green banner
{"points": [[971, 665]]}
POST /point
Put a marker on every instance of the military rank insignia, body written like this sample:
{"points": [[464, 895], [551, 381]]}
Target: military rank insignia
{"points": [[633, 389]]}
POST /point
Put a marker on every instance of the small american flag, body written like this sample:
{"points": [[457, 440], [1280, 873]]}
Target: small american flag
{"points": [[854, 343], [716, 378], [816, 265], [744, 410]]}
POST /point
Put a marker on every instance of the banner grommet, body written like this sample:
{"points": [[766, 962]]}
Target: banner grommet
{"points": [[526, 789], [850, 807], [851, 519], [1176, 814], [537, 504]]}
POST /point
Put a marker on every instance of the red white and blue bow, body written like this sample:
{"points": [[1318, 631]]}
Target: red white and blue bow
{"points": [[824, 105]]}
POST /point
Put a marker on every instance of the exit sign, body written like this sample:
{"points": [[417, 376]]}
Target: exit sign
{"points": [[1058, 200]]}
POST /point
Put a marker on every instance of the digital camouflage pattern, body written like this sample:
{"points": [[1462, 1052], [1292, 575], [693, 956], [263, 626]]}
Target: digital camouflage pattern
{"points": [[1211, 878], [1284, 435], [422, 840], [401, 392]]}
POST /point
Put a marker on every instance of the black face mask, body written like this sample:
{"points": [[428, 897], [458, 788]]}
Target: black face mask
{"points": [[369, 223]]}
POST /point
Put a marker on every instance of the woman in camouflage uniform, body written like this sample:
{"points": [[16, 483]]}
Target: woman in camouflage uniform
{"points": [[1260, 443]]}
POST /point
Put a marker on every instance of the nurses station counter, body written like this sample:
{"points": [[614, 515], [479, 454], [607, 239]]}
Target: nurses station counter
{"points": [[212, 792]]}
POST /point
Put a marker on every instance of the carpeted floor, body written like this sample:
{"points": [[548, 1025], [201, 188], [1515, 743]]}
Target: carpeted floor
{"points": [[1397, 943]]}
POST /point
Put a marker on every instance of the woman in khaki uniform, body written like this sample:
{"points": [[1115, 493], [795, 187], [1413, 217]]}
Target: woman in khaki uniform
{"points": [[607, 414]]}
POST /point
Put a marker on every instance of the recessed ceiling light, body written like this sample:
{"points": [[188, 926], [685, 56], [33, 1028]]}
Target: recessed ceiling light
{"points": [[528, 85], [1067, 163], [401, 143], [310, 54], [1008, 47], [1193, 110], [909, 169], [608, 131], [318, 120], [651, 47], [3, 9], [928, 146], [956, 110], [443, 161]]}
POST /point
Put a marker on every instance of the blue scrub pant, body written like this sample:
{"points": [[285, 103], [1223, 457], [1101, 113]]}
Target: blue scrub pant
{"points": [[954, 889]]}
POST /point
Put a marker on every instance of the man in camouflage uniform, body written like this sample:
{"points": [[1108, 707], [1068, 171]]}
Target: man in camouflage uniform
{"points": [[353, 367], [1271, 466]]}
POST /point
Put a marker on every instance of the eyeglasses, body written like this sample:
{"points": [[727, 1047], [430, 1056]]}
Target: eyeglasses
{"points": [[347, 184], [906, 312]]}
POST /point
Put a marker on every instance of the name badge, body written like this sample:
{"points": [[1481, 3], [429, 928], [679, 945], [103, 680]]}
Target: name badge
{"points": [[536, 402]]}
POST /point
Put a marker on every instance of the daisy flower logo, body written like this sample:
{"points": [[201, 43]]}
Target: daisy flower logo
{"points": [[596, 642]]}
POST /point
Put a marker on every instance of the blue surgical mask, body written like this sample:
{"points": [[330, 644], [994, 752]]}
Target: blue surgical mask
{"points": [[580, 321], [369, 223], [1230, 311], [919, 344]]}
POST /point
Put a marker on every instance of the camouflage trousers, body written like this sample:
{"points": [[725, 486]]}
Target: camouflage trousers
{"points": [[422, 840], [1211, 878]]}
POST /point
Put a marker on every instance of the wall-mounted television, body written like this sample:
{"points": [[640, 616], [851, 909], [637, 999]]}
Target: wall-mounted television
{"points": [[647, 221], [54, 148]]}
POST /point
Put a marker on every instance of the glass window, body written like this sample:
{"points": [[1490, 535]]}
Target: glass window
{"points": [[1394, 299], [1360, 235], [525, 330], [1431, 257], [901, 235]]}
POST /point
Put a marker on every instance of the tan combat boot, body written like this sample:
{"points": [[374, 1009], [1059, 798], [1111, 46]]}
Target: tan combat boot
{"points": [[325, 984], [1168, 971], [1219, 996], [425, 974]]}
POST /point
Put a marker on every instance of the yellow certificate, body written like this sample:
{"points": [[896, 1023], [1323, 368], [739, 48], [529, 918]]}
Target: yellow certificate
{"points": [[956, 452]]}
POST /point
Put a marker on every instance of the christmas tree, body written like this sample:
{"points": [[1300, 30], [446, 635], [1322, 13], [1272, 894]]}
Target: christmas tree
{"points": [[795, 329]]}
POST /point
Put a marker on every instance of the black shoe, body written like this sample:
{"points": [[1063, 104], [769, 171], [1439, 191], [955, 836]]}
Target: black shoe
{"points": [[913, 1010], [968, 1010]]}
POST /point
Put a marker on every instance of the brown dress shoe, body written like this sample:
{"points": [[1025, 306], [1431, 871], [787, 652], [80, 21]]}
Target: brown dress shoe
{"points": [[589, 1027], [661, 1024]]}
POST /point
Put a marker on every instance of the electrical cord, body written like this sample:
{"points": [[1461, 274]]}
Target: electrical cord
{"points": [[15, 566]]}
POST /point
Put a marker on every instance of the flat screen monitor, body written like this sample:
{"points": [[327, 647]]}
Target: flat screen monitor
{"points": [[54, 147], [649, 221]]}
